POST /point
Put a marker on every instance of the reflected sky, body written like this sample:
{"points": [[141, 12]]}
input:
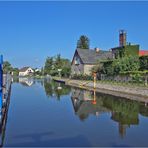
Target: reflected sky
{"points": [[44, 115]]}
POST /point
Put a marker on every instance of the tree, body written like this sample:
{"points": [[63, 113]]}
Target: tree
{"points": [[7, 67], [48, 65], [83, 42], [143, 62], [52, 65], [15, 71]]}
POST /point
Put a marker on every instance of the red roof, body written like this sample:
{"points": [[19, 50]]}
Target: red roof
{"points": [[143, 52]]}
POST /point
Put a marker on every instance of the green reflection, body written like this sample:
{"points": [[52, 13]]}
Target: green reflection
{"points": [[53, 88], [123, 111]]}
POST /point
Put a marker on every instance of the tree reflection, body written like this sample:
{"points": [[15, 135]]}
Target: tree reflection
{"points": [[123, 111], [52, 88]]}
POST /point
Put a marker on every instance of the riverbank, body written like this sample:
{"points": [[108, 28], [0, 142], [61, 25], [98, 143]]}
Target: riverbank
{"points": [[129, 92]]}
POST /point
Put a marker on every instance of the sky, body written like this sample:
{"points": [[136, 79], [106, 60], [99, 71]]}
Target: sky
{"points": [[30, 31]]}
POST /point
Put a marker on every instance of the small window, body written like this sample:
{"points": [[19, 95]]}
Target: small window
{"points": [[77, 61]]}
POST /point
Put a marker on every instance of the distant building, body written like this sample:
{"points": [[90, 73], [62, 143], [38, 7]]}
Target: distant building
{"points": [[26, 71], [85, 59]]}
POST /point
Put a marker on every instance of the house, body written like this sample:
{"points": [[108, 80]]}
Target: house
{"points": [[143, 52], [25, 71], [85, 59]]}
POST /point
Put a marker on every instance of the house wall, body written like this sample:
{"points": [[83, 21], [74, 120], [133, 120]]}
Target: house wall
{"points": [[25, 73], [77, 68], [88, 68]]}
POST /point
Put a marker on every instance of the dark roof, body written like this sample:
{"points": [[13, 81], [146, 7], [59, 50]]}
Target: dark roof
{"points": [[23, 69], [89, 56]]}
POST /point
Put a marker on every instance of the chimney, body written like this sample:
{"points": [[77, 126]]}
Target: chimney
{"points": [[122, 38], [97, 49]]}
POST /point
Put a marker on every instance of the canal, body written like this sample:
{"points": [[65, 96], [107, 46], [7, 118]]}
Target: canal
{"points": [[46, 113]]}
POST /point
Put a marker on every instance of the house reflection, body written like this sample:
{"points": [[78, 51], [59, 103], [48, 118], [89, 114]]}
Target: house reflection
{"points": [[26, 81], [85, 103], [123, 111]]}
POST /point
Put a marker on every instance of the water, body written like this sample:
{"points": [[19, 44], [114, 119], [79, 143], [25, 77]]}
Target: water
{"points": [[41, 115]]}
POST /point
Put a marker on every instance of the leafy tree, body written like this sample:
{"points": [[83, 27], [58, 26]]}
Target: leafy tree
{"points": [[143, 62], [130, 63], [120, 65], [52, 65], [7, 67], [48, 65], [15, 71], [83, 42]]}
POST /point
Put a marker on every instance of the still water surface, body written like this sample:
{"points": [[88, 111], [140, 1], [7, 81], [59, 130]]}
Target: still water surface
{"points": [[41, 115]]}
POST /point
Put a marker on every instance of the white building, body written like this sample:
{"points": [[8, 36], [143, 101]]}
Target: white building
{"points": [[25, 71]]}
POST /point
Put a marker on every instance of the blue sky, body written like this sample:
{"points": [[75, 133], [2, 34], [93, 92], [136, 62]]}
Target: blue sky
{"points": [[31, 31]]}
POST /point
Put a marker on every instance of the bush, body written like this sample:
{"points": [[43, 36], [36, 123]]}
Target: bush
{"points": [[143, 62], [82, 77]]}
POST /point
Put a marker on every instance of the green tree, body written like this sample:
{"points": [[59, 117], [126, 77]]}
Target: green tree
{"points": [[52, 65], [7, 67], [83, 42], [130, 63], [15, 71], [143, 62], [48, 65], [120, 65]]}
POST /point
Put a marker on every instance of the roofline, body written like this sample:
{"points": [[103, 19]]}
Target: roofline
{"points": [[74, 56]]}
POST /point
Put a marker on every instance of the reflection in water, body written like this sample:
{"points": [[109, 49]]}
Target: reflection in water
{"points": [[85, 103], [26, 81], [123, 111], [56, 125], [54, 89]]}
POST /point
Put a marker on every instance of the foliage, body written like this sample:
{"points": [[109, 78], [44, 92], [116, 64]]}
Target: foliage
{"points": [[82, 77], [48, 65], [130, 63], [83, 42], [143, 62], [51, 89], [97, 68], [7, 67], [15, 71], [52, 65], [120, 65], [122, 108]]}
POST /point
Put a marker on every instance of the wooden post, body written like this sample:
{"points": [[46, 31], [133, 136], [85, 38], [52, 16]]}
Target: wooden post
{"points": [[94, 74], [94, 99]]}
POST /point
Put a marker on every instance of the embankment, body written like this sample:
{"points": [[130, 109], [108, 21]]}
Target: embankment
{"points": [[130, 92]]}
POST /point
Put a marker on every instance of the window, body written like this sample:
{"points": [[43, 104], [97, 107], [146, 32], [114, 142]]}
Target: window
{"points": [[77, 61]]}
